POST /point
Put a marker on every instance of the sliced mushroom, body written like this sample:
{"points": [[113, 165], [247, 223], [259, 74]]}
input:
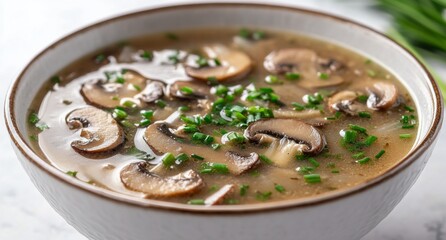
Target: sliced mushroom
{"points": [[307, 63], [383, 96], [137, 177], [99, 132], [346, 101], [242, 163], [309, 116], [234, 64], [106, 94], [199, 90], [219, 196], [309, 139], [152, 92]]}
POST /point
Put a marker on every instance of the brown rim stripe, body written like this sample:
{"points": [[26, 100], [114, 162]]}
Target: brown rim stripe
{"points": [[19, 142]]}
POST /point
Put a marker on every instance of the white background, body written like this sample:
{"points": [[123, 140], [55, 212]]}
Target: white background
{"points": [[27, 26]]}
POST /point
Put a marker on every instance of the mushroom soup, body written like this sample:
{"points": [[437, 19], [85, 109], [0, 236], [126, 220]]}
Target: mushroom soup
{"points": [[223, 117]]}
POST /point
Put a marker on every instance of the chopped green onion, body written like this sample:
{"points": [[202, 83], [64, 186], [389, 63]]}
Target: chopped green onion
{"points": [[186, 90], [378, 155], [198, 157], [350, 136], [335, 171], [370, 140], [363, 98], [181, 158], [292, 76], [72, 173], [119, 114], [364, 114], [215, 146], [100, 58], [357, 128], [272, 79], [279, 188], [312, 178], [297, 106], [313, 162], [265, 159], [408, 108], [363, 160], [214, 168], [147, 55], [184, 108], [323, 76], [144, 122], [371, 73], [263, 196], [160, 103], [244, 189], [405, 136], [55, 79], [358, 155], [168, 160], [33, 118], [196, 202]]}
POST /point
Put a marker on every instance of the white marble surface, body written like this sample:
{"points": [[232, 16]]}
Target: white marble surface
{"points": [[27, 26]]}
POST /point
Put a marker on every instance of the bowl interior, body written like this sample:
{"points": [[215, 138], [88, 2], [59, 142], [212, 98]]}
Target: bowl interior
{"points": [[349, 35]]}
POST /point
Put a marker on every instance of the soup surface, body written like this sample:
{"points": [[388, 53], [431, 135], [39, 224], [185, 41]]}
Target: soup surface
{"points": [[223, 116]]}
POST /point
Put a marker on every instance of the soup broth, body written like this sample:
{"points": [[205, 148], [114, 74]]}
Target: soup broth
{"points": [[223, 116]]}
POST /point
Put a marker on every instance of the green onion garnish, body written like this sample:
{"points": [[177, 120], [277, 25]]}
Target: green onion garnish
{"points": [[265, 159], [313, 162], [279, 188], [55, 79], [146, 55], [119, 114], [405, 136], [160, 103], [358, 155], [357, 128], [408, 108], [181, 158], [363, 160], [198, 157], [292, 76], [196, 202], [186, 90], [312, 178], [263, 196], [33, 118], [168, 160], [370, 140], [72, 173], [214, 168], [350, 136], [378, 155], [243, 189], [323, 76], [364, 114]]}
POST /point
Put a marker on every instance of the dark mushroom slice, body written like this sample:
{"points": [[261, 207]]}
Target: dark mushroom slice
{"points": [[304, 61], [137, 177], [199, 90], [383, 96], [219, 196], [346, 101], [153, 91], [99, 132], [241, 163], [234, 64], [102, 93], [309, 139]]}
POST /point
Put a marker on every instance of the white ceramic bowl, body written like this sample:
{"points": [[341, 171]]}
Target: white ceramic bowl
{"points": [[349, 214]]}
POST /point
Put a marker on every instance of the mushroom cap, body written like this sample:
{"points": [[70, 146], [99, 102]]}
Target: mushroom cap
{"points": [[153, 91], [345, 101], [200, 90], [101, 93], [307, 63], [219, 196], [301, 133], [234, 64], [137, 177], [99, 132], [290, 60], [383, 96], [241, 163]]}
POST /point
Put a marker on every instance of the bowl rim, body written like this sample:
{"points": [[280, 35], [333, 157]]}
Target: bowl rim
{"points": [[19, 142]]}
